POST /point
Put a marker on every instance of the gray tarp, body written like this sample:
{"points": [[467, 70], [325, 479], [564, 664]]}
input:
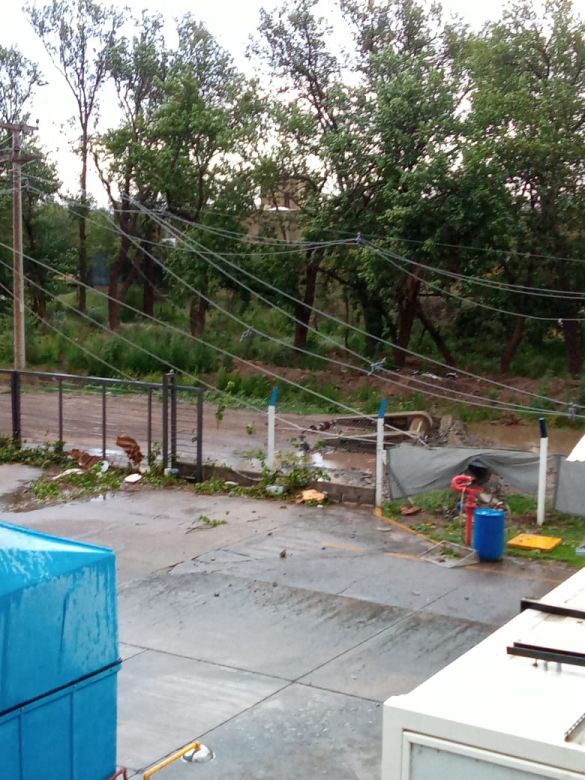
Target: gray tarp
{"points": [[570, 492], [414, 470]]}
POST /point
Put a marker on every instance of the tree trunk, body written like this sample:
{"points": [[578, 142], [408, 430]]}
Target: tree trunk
{"points": [[117, 268], [574, 346], [373, 324], [148, 268], [512, 346], [148, 292], [197, 313], [435, 335], [407, 310], [303, 310]]}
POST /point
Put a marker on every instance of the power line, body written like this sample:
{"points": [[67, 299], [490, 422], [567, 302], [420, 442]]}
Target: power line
{"points": [[494, 404], [224, 352], [541, 292], [470, 301], [63, 334], [491, 403], [199, 248]]}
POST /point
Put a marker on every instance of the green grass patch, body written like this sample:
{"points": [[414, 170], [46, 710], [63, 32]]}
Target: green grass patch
{"points": [[439, 521]]}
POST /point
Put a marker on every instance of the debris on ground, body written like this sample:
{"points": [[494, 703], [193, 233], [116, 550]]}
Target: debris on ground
{"points": [[131, 448], [535, 542], [131, 478], [84, 459], [283, 553], [67, 473], [311, 496], [409, 509]]}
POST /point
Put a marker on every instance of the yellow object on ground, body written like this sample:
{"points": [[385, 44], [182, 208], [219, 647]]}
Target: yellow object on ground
{"points": [[171, 759], [535, 542], [311, 495]]}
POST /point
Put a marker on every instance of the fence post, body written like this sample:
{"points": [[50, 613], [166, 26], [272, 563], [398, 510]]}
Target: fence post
{"points": [[542, 472], [165, 421], [173, 436], [271, 428], [16, 416], [200, 435], [60, 409], [380, 455], [104, 423]]}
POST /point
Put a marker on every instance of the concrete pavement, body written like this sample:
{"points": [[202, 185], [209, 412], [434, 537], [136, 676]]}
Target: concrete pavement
{"points": [[276, 636]]}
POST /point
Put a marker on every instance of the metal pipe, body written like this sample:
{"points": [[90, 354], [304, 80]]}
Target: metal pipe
{"points": [[380, 454], [542, 472]]}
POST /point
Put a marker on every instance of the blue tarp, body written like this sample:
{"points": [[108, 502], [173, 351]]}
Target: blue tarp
{"points": [[58, 614]]}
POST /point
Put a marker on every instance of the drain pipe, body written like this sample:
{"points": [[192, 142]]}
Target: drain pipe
{"points": [[380, 456], [271, 429], [542, 472]]}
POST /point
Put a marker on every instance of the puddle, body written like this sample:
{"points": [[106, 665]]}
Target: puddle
{"points": [[102, 498], [13, 480], [527, 437]]}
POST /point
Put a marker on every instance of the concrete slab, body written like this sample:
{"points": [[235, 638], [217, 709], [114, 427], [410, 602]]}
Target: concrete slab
{"points": [[14, 476], [151, 529], [491, 597], [400, 658], [299, 734], [166, 701], [279, 630]]}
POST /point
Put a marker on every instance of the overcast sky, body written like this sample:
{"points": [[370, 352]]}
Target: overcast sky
{"points": [[230, 21]]}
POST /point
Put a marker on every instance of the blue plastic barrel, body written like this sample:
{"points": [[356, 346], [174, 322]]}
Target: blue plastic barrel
{"points": [[489, 534]]}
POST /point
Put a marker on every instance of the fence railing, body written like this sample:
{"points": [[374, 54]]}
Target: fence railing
{"points": [[88, 413]]}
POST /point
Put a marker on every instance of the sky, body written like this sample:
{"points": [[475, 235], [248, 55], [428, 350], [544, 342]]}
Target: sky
{"points": [[232, 22]]}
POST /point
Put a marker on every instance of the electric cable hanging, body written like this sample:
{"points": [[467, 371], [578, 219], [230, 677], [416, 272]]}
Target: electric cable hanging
{"points": [[376, 367], [204, 250], [224, 352]]}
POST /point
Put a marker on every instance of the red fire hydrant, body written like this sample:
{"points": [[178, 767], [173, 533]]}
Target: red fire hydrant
{"points": [[463, 483]]}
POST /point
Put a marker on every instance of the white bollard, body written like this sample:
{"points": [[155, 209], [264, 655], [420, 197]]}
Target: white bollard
{"points": [[380, 455], [270, 450], [542, 472]]}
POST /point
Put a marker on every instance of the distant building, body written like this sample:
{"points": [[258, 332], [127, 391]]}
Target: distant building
{"points": [[280, 210]]}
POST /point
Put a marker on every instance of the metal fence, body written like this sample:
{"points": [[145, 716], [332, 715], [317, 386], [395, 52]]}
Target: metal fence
{"points": [[89, 413]]}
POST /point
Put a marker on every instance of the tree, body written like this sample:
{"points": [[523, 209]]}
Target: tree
{"points": [[194, 152], [19, 77], [138, 68], [528, 126], [371, 147], [78, 37]]}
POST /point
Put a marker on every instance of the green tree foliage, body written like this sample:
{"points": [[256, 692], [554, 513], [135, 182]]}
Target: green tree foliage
{"points": [[78, 37]]}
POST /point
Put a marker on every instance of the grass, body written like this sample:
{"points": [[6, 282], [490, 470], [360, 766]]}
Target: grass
{"points": [[439, 522]]}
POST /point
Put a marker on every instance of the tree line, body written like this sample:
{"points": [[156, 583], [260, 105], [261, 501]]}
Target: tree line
{"points": [[457, 156]]}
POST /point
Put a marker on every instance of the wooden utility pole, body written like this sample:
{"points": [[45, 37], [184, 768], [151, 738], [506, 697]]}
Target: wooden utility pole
{"points": [[15, 157]]}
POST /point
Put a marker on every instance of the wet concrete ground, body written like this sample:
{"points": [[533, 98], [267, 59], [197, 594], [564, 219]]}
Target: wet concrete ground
{"points": [[276, 636]]}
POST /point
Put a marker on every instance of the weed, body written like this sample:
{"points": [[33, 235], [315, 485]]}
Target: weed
{"points": [[211, 522], [46, 455]]}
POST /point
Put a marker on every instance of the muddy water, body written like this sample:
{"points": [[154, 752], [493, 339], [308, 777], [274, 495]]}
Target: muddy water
{"points": [[526, 436]]}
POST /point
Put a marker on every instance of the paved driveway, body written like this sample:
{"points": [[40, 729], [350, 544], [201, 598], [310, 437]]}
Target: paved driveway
{"points": [[276, 635]]}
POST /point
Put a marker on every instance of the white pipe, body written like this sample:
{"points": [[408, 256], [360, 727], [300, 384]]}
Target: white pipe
{"points": [[380, 455], [271, 436], [542, 472], [270, 448]]}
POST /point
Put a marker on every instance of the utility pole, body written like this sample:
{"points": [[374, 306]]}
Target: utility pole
{"points": [[15, 157]]}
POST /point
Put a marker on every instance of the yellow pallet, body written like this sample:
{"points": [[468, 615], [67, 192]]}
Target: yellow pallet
{"points": [[535, 542]]}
